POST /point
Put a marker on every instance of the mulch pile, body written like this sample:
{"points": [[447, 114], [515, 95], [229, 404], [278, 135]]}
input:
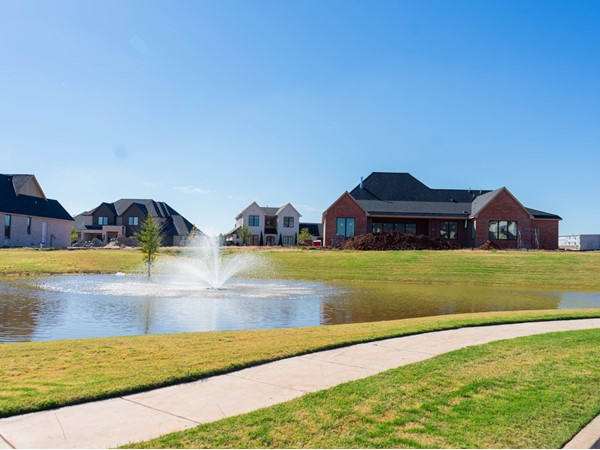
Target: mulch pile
{"points": [[488, 245], [394, 240]]}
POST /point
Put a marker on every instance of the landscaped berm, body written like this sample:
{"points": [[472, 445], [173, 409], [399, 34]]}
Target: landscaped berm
{"points": [[535, 391]]}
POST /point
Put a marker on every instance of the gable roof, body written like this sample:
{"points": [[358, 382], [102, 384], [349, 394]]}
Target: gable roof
{"points": [[12, 202], [401, 194], [175, 223]]}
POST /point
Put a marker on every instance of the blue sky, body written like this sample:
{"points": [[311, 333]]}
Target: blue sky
{"points": [[209, 105]]}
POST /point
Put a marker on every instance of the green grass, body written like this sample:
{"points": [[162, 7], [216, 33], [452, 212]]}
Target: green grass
{"points": [[41, 375], [532, 392], [556, 270]]}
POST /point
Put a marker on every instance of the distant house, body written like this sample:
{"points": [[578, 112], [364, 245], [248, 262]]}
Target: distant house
{"points": [[30, 218], [278, 225], [124, 217], [398, 201]]}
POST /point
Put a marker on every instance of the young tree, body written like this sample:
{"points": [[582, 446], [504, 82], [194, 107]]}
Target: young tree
{"points": [[261, 241], [150, 238], [74, 235], [305, 238], [243, 234]]}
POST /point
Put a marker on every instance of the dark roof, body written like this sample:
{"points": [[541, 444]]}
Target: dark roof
{"points": [[316, 229], [542, 215], [401, 194], [270, 211], [13, 203], [175, 225]]}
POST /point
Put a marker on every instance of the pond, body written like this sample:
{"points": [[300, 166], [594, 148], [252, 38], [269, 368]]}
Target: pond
{"points": [[66, 307]]}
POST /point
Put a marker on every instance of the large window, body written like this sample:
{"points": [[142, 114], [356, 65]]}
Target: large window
{"points": [[345, 226], [102, 220], [449, 230], [503, 229], [133, 221], [408, 228], [29, 225], [288, 240], [7, 220], [288, 222], [253, 221]]}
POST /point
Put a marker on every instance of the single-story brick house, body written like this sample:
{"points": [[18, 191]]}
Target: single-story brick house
{"points": [[124, 218], [398, 201], [30, 218]]}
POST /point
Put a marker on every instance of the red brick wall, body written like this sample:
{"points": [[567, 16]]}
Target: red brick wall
{"points": [[346, 206], [503, 207], [548, 232]]}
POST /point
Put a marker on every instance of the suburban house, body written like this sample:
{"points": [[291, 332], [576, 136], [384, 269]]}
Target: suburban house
{"points": [[398, 201], [30, 218], [124, 217], [275, 226]]}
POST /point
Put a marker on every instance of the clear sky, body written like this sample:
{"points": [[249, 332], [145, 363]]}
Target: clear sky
{"points": [[209, 105]]}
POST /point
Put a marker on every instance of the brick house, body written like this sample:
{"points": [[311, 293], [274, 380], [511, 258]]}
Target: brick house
{"points": [[30, 218], [398, 201], [124, 217]]}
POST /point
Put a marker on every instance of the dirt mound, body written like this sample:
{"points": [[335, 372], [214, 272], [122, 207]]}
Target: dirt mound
{"points": [[488, 245], [394, 240]]}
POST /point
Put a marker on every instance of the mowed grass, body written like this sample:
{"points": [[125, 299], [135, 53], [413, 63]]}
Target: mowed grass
{"points": [[43, 262], [42, 375], [564, 270], [532, 392], [556, 270]]}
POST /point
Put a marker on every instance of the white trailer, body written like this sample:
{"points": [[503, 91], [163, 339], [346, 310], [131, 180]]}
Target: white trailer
{"points": [[579, 242]]}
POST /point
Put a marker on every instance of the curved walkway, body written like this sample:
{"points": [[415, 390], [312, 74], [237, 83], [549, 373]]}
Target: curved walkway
{"points": [[133, 418]]}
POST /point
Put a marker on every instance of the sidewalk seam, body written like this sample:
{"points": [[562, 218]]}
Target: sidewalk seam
{"points": [[159, 410], [7, 442]]}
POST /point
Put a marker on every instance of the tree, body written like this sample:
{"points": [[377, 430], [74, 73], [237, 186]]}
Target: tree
{"points": [[243, 234], [150, 238], [261, 242], [74, 234], [305, 236], [280, 243]]}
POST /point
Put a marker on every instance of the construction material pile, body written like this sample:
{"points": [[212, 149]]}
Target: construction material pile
{"points": [[489, 245], [394, 240]]}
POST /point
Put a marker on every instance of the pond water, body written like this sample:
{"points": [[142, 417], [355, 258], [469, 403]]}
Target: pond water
{"points": [[66, 307]]}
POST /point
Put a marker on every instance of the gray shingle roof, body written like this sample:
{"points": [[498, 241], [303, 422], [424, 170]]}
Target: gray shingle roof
{"points": [[401, 194], [175, 225]]}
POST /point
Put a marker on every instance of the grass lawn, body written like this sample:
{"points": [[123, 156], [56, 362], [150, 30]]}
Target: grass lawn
{"points": [[556, 270], [42, 375], [532, 392]]}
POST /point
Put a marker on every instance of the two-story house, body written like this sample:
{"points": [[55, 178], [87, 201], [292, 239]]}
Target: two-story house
{"points": [[274, 226], [124, 217], [30, 218]]}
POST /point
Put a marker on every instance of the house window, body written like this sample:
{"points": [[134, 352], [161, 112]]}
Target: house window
{"points": [[7, 226], [252, 239], [449, 230], [133, 221], [288, 240], [102, 220], [345, 226], [503, 229], [408, 228], [29, 225], [288, 222], [253, 221]]}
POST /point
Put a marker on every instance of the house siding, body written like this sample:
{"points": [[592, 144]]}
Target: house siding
{"points": [[502, 207], [58, 234], [548, 231], [345, 206]]}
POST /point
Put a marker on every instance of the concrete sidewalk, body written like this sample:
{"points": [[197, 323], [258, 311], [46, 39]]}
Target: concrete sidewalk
{"points": [[137, 417]]}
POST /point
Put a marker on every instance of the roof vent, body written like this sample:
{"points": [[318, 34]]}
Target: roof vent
{"points": [[361, 182]]}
